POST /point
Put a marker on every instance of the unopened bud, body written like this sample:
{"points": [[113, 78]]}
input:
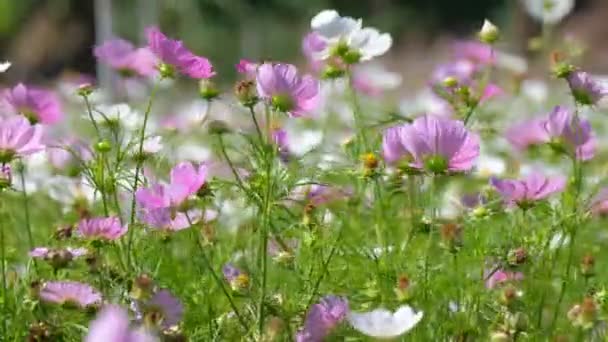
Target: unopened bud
{"points": [[517, 256], [588, 266], [489, 33], [85, 89], [103, 146], [208, 90], [450, 82], [245, 92], [142, 288]]}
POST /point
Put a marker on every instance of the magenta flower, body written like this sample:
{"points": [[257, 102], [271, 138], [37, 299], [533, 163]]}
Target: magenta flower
{"points": [[599, 203], [585, 89], [525, 192], [279, 136], [569, 133], [69, 293], [175, 54], [163, 309], [186, 180], [322, 318], [285, 90], [69, 154], [501, 276], [169, 219], [247, 68], [112, 324], [48, 253], [433, 144], [476, 52], [37, 105], [527, 134], [125, 58], [18, 138], [103, 228]]}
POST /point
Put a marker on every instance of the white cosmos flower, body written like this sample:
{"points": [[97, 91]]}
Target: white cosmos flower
{"points": [[120, 113], [335, 30], [548, 11], [381, 323], [4, 66], [153, 144]]}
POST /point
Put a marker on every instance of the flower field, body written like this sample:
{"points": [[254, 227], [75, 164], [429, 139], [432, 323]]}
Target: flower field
{"points": [[304, 203]]}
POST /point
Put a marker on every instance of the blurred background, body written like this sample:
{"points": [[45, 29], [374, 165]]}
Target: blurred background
{"points": [[48, 38]]}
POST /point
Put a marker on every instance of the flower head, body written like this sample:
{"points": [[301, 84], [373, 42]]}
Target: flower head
{"points": [[526, 134], [565, 131], [346, 38], [499, 277], [163, 309], [285, 90], [174, 54], [247, 68], [186, 180], [548, 11], [531, 189], [381, 323], [112, 324], [434, 144], [18, 138], [125, 58], [104, 228], [585, 89], [322, 318], [69, 293], [38, 105]]}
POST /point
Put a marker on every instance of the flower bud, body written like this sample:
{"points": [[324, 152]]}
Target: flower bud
{"points": [[208, 90], [500, 336], [489, 33], [450, 82], [103, 146], [166, 70], [588, 266], [39, 332], [218, 127], [403, 288], [246, 93], [85, 89], [333, 72], [451, 236], [142, 287], [517, 256], [6, 178]]}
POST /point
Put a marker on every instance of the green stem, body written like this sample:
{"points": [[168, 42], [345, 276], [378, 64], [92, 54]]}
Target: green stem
{"points": [[4, 286], [216, 278], [26, 213], [359, 126], [324, 268], [90, 112], [257, 125], [138, 168], [264, 242]]}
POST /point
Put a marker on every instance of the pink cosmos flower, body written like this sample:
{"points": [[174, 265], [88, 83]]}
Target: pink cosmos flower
{"points": [[525, 192], [501, 276], [433, 144], [69, 292], [585, 89], [185, 181], [104, 228], [169, 219], [279, 136], [113, 324], [174, 53], [125, 58], [163, 309], [569, 133], [312, 45], [322, 318], [247, 68], [69, 153], [286, 91], [36, 104], [476, 52], [599, 203], [18, 138], [46, 252], [526, 134]]}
